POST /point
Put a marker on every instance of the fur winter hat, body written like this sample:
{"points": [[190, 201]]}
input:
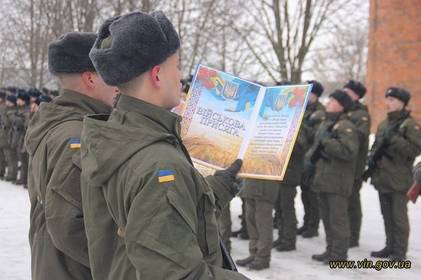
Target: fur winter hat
{"points": [[399, 93], [129, 45], [317, 88], [356, 87], [11, 98], [33, 92], [70, 53], [343, 98], [21, 94]]}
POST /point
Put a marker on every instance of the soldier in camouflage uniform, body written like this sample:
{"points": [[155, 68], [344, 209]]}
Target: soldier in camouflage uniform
{"points": [[149, 214], [10, 150], [19, 125], [3, 139], [57, 232], [334, 154], [35, 96], [360, 117], [313, 116], [398, 142]]}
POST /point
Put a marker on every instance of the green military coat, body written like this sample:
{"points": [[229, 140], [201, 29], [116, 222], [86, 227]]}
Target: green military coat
{"points": [[335, 170], [57, 234], [149, 213], [394, 172]]}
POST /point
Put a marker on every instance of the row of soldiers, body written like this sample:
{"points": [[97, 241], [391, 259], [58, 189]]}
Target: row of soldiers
{"points": [[113, 191], [329, 163], [16, 108]]}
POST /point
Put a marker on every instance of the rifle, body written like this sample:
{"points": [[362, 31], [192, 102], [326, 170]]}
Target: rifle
{"points": [[314, 156], [380, 148]]}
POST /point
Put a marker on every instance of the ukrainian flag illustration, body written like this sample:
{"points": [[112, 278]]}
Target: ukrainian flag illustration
{"points": [[74, 143], [166, 176]]}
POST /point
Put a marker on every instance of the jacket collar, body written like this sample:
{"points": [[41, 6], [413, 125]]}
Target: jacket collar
{"points": [[163, 118], [81, 102]]}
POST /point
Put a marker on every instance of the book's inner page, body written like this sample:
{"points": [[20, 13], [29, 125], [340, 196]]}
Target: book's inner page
{"points": [[218, 112], [275, 132]]}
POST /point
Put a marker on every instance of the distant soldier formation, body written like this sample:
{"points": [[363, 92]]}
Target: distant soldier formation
{"points": [[330, 162], [17, 106], [114, 193]]}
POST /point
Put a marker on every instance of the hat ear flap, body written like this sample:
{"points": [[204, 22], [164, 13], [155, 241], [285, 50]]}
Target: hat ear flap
{"points": [[104, 39]]}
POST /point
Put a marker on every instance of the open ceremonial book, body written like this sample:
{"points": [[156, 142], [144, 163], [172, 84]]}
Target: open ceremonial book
{"points": [[226, 118]]}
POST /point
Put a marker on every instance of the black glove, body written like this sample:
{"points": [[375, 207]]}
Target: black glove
{"points": [[371, 163], [229, 176], [311, 122], [388, 135], [309, 166], [325, 134]]}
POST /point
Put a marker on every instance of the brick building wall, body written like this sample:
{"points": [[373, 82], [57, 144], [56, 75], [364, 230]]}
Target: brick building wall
{"points": [[394, 54]]}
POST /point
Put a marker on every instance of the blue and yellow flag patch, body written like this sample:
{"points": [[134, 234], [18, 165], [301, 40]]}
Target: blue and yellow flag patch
{"points": [[166, 176], [74, 143]]}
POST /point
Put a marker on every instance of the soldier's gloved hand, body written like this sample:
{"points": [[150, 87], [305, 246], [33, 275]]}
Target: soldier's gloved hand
{"points": [[371, 163], [388, 135], [325, 134], [309, 166], [229, 176], [311, 122]]}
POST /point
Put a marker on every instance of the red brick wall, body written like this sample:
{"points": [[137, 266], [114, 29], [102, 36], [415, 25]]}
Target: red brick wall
{"points": [[394, 53]]}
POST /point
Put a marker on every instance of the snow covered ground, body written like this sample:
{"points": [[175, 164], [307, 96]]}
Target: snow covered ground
{"points": [[15, 254]]}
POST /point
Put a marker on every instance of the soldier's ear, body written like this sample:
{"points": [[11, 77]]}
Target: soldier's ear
{"points": [[88, 79], [154, 74]]}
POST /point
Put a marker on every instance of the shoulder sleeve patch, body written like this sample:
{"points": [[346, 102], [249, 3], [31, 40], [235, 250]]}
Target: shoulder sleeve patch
{"points": [[364, 118], [74, 143], [349, 130], [165, 176]]}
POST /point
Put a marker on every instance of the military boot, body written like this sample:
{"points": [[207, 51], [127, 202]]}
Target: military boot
{"points": [[276, 243], [300, 230], [10, 179], [245, 262], [258, 264], [397, 257], [20, 182], [382, 254], [241, 233], [327, 260], [285, 247], [320, 257], [235, 233], [310, 233], [353, 243], [244, 235]]}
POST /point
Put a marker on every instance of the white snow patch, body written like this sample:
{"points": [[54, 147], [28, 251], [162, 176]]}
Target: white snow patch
{"points": [[15, 252]]}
